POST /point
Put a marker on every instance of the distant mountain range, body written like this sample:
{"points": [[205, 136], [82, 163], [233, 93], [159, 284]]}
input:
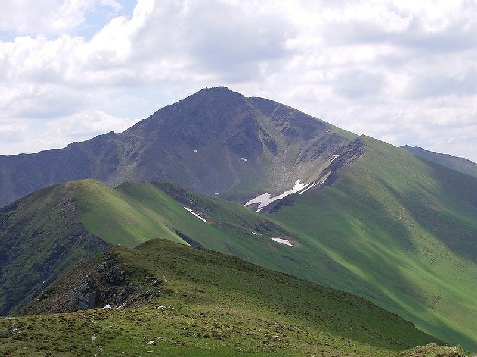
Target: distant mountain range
{"points": [[456, 163], [322, 204]]}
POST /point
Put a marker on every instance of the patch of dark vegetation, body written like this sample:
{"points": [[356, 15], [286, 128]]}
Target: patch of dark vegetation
{"points": [[178, 193]]}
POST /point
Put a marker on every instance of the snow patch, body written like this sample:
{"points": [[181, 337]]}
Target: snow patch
{"points": [[333, 157], [282, 241], [265, 199], [196, 214]]}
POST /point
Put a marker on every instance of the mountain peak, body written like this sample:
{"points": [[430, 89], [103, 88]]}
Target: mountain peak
{"points": [[216, 142], [212, 93]]}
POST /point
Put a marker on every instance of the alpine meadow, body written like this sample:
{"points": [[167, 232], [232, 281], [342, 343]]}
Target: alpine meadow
{"points": [[225, 225]]}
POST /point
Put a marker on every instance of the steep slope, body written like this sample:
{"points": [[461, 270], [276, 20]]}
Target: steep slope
{"points": [[214, 142], [370, 233], [40, 237], [456, 163], [48, 231], [402, 226], [211, 223], [43, 234], [387, 230], [204, 303], [220, 225]]}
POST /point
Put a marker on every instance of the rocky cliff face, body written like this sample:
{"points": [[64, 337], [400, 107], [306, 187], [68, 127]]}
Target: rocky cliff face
{"points": [[215, 142]]}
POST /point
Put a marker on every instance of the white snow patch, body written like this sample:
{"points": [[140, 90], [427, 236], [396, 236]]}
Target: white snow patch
{"points": [[282, 241], [310, 185], [265, 199], [107, 306], [196, 214]]}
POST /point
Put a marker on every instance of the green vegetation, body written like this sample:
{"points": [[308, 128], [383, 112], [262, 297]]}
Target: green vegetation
{"points": [[40, 238], [210, 304], [393, 229], [456, 163], [402, 227], [120, 220]]}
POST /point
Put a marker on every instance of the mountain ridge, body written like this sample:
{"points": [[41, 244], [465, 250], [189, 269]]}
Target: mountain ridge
{"points": [[385, 224], [174, 282], [215, 141], [453, 162], [40, 238]]}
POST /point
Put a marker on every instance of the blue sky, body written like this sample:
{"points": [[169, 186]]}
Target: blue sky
{"points": [[402, 71]]}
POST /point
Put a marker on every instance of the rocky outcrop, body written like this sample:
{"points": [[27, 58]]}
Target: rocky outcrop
{"points": [[102, 282]]}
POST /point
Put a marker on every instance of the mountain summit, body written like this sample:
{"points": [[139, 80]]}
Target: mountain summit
{"points": [[216, 142]]}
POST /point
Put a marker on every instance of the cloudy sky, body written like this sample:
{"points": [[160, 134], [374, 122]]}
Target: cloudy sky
{"points": [[402, 71]]}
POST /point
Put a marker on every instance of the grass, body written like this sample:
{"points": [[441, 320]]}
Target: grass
{"points": [[402, 227], [213, 304], [119, 221], [393, 229], [40, 239], [385, 231]]}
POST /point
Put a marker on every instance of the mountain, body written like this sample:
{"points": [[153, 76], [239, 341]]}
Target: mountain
{"points": [[456, 163], [177, 300], [324, 205], [406, 227], [214, 142], [329, 237], [54, 228]]}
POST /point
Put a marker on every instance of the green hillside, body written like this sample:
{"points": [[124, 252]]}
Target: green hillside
{"points": [[120, 219], [205, 304], [389, 230], [404, 227], [116, 215], [40, 238], [393, 229], [456, 163]]}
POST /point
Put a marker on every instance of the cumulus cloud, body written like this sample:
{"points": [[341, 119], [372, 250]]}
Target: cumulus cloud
{"points": [[402, 71]]}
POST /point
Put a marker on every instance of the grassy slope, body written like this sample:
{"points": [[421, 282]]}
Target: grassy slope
{"points": [[40, 238], [453, 162], [214, 305], [343, 236], [112, 216], [374, 245], [406, 228], [116, 216]]}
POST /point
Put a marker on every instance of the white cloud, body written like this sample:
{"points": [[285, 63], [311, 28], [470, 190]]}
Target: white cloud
{"points": [[402, 71]]}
